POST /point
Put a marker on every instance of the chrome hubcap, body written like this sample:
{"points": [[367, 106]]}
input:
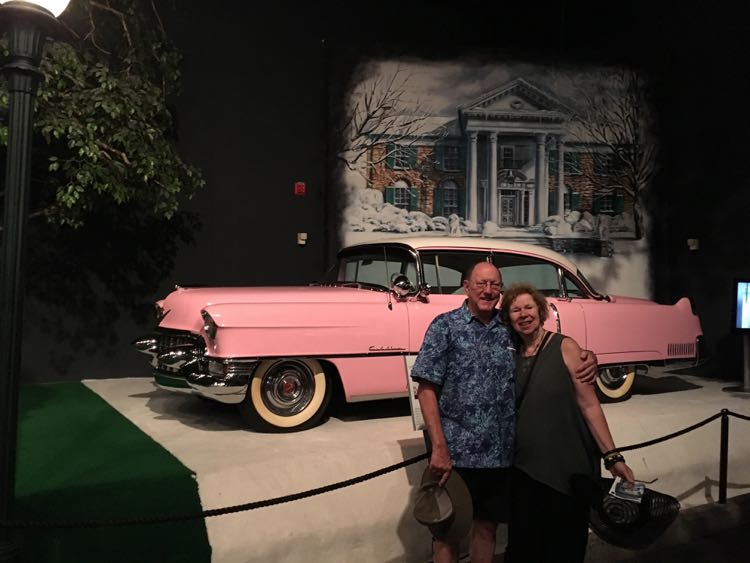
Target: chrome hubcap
{"points": [[288, 387], [613, 378]]}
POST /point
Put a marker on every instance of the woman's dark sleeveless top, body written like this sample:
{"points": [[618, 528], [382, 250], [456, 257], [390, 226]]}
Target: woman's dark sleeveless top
{"points": [[552, 439]]}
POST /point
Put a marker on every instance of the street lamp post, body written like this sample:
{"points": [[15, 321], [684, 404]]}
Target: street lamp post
{"points": [[27, 25]]}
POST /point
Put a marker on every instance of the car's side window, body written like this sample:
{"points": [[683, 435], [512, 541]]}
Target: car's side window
{"points": [[444, 269], [376, 266], [517, 268]]}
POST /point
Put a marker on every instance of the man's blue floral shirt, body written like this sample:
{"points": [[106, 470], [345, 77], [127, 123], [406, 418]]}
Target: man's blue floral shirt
{"points": [[473, 364]]}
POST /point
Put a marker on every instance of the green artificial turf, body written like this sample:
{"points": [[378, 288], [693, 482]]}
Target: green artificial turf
{"points": [[78, 459]]}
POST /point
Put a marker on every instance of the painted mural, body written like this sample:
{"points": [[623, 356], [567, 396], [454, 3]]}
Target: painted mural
{"points": [[560, 157]]}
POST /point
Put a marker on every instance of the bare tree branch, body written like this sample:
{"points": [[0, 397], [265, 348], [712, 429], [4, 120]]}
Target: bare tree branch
{"points": [[110, 150], [380, 114], [615, 117]]}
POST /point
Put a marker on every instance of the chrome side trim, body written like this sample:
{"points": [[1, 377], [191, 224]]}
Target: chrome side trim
{"points": [[557, 316], [561, 284]]}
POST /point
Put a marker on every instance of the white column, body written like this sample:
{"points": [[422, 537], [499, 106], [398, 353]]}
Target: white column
{"points": [[473, 196], [540, 181], [560, 176], [529, 220], [494, 196]]}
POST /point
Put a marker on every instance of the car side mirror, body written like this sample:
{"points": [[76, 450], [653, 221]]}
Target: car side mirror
{"points": [[401, 286], [424, 290]]}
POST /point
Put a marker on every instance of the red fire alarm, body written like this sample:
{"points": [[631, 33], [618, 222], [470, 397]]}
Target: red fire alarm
{"points": [[299, 188]]}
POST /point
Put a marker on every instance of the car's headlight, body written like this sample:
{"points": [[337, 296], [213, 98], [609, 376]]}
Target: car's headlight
{"points": [[160, 311], [209, 325]]}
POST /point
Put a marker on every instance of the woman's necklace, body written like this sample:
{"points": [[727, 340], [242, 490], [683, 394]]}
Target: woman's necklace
{"points": [[528, 360], [538, 343]]}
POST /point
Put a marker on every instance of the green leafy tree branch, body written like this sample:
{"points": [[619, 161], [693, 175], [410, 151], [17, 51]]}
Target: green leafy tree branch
{"points": [[108, 187]]}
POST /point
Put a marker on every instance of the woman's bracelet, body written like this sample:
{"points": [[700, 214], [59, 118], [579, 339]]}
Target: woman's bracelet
{"points": [[612, 458]]}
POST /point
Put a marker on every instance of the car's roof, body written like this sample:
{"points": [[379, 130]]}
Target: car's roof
{"points": [[498, 244]]}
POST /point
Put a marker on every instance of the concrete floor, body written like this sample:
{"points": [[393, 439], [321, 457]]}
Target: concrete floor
{"points": [[372, 521]]}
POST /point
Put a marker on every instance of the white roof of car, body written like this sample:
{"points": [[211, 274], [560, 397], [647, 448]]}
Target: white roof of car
{"points": [[420, 243]]}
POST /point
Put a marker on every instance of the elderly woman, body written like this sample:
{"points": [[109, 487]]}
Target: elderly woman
{"points": [[561, 432]]}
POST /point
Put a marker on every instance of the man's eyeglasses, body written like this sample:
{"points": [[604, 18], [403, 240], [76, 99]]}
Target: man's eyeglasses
{"points": [[482, 284]]}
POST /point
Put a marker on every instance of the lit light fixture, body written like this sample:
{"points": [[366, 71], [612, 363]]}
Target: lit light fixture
{"points": [[54, 7], [26, 24]]}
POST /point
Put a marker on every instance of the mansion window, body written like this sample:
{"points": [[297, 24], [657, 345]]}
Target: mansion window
{"points": [[606, 204], [572, 163], [603, 163], [402, 195], [451, 156], [450, 198], [507, 157], [400, 157]]}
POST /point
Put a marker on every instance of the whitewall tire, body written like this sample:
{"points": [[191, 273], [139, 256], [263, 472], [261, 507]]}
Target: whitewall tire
{"points": [[286, 395], [615, 383]]}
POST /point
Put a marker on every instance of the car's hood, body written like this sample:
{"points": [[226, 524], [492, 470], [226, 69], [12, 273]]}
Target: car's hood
{"points": [[182, 307]]}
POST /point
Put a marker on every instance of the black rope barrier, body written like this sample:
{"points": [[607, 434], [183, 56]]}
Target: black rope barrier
{"points": [[724, 414], [216, 511], [672, 435], [738, 415]]}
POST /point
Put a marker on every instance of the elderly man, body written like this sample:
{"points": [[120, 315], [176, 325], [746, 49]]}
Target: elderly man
{"points": [[465, 374]]}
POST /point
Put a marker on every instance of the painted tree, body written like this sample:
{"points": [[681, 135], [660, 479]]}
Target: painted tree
{"points": [[382, 114], [107, 179], [615, 115]]}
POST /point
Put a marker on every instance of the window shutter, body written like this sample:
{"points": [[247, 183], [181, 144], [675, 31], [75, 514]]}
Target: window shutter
{"points": [[437, 208], [619, 204], [552, 202], [413, 198], [412, 152], [389, 155], [390, 194], [439, 156], [461, 201], [575, 199], [595, 205]]}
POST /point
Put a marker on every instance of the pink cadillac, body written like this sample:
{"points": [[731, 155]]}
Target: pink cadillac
{"points": [[277, 352]]}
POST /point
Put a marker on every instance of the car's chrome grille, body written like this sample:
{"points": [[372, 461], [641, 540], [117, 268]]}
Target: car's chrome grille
{"points": [[681, 350], [168, 341], [163, 342]]}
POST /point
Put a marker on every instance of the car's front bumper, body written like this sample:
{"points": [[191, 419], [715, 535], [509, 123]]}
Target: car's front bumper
{"points": [[180, 365]]}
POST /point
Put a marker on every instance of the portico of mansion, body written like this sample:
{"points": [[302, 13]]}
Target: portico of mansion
{"points": [[508, 177]]}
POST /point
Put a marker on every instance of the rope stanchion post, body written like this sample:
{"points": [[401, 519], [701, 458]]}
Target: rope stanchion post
{"points": [[723, 456]]}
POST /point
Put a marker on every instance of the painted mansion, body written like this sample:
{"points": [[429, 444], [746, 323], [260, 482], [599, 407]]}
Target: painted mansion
{"points": [[499, 161]]}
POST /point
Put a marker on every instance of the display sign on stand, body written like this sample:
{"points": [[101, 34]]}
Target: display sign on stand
{"points": [[416, 411], [741, 320]]}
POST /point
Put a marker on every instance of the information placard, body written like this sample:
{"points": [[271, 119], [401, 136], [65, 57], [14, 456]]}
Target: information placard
{"points": [[416, 412]]}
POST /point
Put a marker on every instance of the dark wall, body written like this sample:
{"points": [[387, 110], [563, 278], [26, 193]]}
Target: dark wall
{"points": [[255, 116]]}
